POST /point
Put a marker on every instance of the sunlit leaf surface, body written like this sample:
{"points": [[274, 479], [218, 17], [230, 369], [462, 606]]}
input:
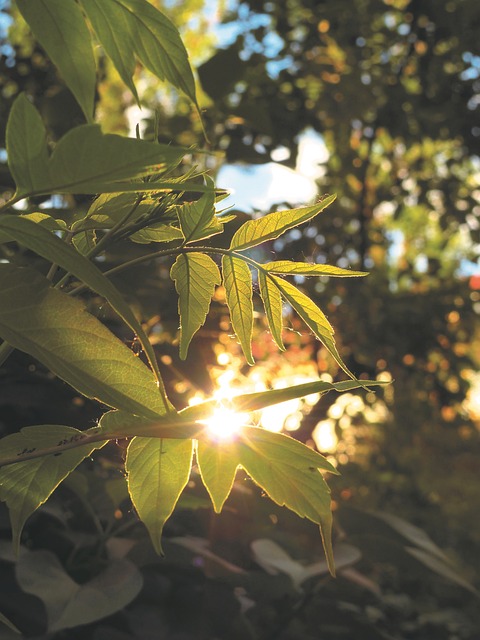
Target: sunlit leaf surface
{"points": [[158, 470], [237, 280], [195, 276], [274, 225]]}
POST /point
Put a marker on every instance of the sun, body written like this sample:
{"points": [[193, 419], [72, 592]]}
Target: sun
{"points": [[225, 424]]}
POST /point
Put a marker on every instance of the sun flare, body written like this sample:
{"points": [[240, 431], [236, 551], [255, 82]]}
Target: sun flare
{"points": [[225, 424]]}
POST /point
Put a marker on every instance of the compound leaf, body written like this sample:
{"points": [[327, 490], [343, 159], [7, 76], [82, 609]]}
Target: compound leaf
{"points": [[195, 276], [59, 27], [274, 225], [306, 269], [158, 470], [24, 486], [130, 29], [237, 280], [73, 344], [313, 317], [272, 301]]}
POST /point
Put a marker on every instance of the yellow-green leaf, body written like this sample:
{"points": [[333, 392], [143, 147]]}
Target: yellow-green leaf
{"points": [[307, 269], [237, 280], [313, 317], [272, 301], [274, 225], [157, 233], [288, 471], [24, 486], [218, 463], [195, 276], [158, 470]]}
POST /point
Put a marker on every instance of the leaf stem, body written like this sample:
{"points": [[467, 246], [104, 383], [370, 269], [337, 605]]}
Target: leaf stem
{"points": [[9, 203], [163, 429]]}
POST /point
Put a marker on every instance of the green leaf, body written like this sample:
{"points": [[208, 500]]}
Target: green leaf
{"points": [[56, 329], [4, 620], [197, 219], [237, 280], [313, 318], [59, 27], [274, 225], [272, 301], [158, 471], [288, 471], [42, 219], [306, 269], [24, 486], [195, 276], [130, 29], [262, 399], [27, 150], [48, 246], [120, 424], [84, 161], [218, 463], [69, 604]]}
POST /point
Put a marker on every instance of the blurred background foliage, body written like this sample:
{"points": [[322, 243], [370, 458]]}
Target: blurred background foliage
{"points": [[392, 90]]}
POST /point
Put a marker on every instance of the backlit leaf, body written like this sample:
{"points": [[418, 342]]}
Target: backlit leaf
{"points": [[197, 219], [272, 301], [84, 161], [306, 269], [158, 470], [262, 399], [218, 463], [70, 604], [195, 276], [24, 486], [288, 471], [157, 233], [73, 344], [237, 280], [274, 225], [131, 29], [59, 27], [47, 245], [313, 317]]}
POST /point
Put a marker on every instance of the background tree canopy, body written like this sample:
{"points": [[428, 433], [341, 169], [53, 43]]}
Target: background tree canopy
{"points": [[393, 89]]}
